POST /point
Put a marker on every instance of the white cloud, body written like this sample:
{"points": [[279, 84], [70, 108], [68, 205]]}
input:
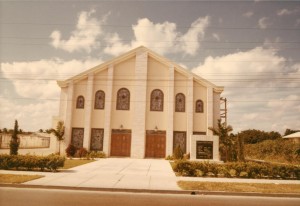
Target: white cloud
{"points": [[161, 37], [37, 79], [285, 12], [264, 23], [259, 87], [216, 36], [248, 14], [37, 93], [84, 37]]}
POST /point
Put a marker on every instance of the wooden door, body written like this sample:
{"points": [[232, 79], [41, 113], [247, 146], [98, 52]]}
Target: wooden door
{"points": [[120, 144], [155, 145]]}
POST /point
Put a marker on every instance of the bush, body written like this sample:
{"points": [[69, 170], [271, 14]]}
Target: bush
{"points": [[71, 150], [82, 152], [96, 154], [239, 169], [30, 162], [178, 153]]}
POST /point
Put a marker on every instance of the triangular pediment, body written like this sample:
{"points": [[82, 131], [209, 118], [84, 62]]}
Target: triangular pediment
{"points": [[131, 54]]}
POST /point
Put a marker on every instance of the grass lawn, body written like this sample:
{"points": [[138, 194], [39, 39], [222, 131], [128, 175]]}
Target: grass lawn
{"points": [[9, 178], [240, 187], [69, 163]]}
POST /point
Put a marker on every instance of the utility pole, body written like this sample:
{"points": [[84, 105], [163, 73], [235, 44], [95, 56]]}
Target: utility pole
{"points": [[223, 110]]}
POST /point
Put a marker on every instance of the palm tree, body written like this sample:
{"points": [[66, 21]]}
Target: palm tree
{"points": [[226, 142], [59, 133]]}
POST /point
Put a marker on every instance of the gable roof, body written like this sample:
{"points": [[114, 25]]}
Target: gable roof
{"points": [[294, 135], [131, 54]]}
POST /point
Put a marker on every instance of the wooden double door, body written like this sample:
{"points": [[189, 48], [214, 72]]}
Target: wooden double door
{"points": [[120, 143], [155, 144]]}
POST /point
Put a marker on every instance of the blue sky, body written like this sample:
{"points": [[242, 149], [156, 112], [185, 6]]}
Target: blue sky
{"points": [[250, 47]]}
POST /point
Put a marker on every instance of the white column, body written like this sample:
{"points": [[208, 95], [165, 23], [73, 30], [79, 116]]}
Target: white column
{"points": [[139, 109], [108, 106], [190, 112], [68, 116], [88, 111], [210, 110], [170, 112]]}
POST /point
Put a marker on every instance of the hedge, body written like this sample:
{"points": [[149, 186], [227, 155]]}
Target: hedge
{"points": [[236, 169], [30, 162]]}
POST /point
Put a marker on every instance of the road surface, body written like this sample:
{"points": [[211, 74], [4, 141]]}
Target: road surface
{"points": [[49, 197]]}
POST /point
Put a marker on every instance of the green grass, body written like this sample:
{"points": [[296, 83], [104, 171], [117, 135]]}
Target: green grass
{"points": [[9, 178], [69, 163], [240, 187]]}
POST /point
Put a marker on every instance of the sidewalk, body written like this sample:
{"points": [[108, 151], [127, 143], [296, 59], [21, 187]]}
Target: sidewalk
{"points": [[122, 173]]}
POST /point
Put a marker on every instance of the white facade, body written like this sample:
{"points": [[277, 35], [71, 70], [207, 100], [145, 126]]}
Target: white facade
{"points": [[139, 105]]}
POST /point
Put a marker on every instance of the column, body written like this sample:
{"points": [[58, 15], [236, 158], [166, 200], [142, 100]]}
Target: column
{"points": [[108, 105], [88, 111], [139, 109], [190, 112], [210, 111], [170, 112], [68, 116]]}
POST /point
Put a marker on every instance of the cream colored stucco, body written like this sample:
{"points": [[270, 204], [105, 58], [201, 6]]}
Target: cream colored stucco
{"points": [[157, 78], [78, 114], [200, 119], [100, 81], [123, 78], [180, 86]]}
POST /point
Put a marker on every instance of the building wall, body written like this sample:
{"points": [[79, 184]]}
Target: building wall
{"points": [[157, 78], [200, 119], [123, 78], [78, 115], [100, 81], [180, 86]]}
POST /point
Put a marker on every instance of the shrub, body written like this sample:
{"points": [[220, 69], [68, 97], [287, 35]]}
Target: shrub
{"points": [[239, 169], [178, 153], [96, 154], [30, 162], [71, 150], [82, 152]]}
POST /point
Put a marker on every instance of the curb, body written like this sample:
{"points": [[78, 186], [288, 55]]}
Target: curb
{"points": [[174, 192]]}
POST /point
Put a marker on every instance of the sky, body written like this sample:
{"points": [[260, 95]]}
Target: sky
{"points": [[249, 47]]}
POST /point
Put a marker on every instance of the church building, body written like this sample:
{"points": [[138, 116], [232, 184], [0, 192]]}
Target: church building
{"points": [[141, 105]]}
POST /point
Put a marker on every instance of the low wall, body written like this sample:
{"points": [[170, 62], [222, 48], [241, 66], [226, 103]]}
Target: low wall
{"points": [[36, 144]]}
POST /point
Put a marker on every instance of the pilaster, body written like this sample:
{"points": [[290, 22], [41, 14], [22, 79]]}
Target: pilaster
{"points": [[139, 109], [108, 106], [170, 123], [210, 110], [68, 115], [190, 112], [88, 111]]}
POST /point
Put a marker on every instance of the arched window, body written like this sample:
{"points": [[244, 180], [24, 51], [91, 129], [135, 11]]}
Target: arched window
{"points": [[199, 106], [123, 99], [80, 102], [157, 100], [180, 103], [99, 100]]}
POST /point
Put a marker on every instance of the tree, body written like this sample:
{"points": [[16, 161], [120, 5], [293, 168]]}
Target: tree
{"points": [[5, 130], [14, 142], [226, 142], [59, 133], [41, 130], [253, 136], [240, 145], [290, 131]]}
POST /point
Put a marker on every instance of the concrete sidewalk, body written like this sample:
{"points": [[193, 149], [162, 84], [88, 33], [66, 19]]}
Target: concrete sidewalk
{"points": [[118, 173], [123, 173]]}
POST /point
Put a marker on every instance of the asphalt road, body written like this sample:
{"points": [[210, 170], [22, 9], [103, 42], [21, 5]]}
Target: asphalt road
{"points": [[50, 197]]}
